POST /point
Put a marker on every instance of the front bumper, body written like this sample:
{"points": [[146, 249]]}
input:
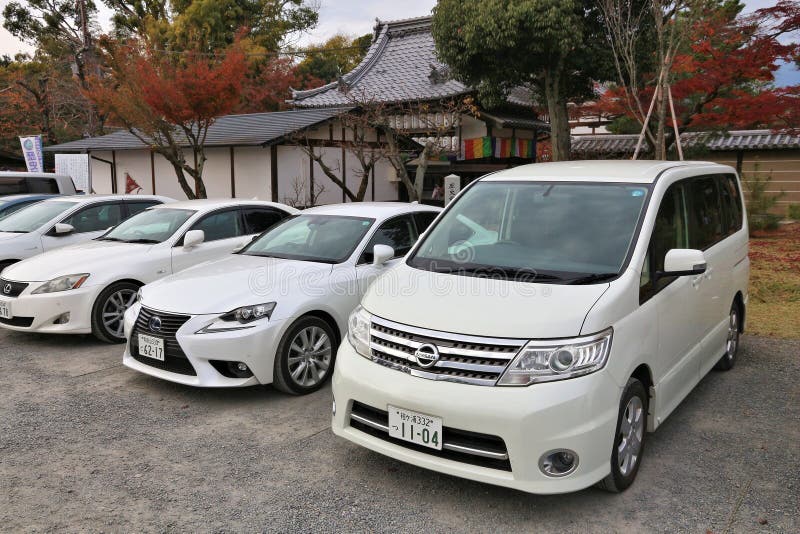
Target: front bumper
{"points": [[39, 313], [255, 347], [578, 414]]}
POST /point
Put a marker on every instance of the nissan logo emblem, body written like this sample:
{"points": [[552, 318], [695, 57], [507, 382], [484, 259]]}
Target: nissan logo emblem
{"points": [[7, 289], [427, 355], [155, 324]]}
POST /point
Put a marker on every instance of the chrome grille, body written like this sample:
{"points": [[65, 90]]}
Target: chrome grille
{"points": [[466, 359]]}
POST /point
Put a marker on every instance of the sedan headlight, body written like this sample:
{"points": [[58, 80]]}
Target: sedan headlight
{"points": [[240, 318], [358, 331], [62, 283], [545, 361]]}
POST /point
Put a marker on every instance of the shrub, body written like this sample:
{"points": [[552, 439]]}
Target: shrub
{"points": [[760, 202], [794, 212]]}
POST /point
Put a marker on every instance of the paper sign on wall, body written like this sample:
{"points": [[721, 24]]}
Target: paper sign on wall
{"points": [[76, 166]]}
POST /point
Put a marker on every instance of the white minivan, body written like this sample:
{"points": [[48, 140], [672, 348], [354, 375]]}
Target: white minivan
{"points": [[547, 320]]}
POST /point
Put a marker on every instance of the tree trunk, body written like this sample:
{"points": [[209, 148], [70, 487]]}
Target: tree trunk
{"points": [[187, 190], [660, 152], [559, 116], [422, 168]]}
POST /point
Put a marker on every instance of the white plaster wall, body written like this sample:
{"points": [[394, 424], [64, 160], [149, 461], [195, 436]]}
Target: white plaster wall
{"points": [[252, 173], [472, 128], [217, 173]]}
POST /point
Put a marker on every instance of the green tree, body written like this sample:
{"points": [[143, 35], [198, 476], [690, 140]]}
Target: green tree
{"points": [[553, 46], [338, 55]]}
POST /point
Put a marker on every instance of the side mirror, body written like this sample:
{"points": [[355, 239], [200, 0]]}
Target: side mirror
{"points": [[381, 254], [683, 262], [193, 238], [64, 228]]}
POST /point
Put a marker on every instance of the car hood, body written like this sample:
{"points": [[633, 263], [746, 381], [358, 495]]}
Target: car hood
{"points": [[89, 257], [481, 306], [237, 280]]}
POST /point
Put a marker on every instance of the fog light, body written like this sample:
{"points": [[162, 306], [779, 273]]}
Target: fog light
{"points": [[62, 319], [558, 463], [241, 366]]}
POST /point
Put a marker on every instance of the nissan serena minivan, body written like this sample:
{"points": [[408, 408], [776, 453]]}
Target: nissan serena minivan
{"points": [[549, 318]]}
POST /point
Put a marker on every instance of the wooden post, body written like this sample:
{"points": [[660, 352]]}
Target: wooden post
{"points": [[273, 168], [344, 167], [311, 199], [114, 172], [153, 170], [233, 175], [739, 162]]}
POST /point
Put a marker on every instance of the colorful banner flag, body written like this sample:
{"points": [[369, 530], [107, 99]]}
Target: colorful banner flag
{"points": [[477, 148], [503, 147], [523, 148], [32, 149]]}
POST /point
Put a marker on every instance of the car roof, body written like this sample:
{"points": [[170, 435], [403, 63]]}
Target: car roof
{"points": [[23, 174], [23, 198], [640, 171], [370, 209], [214, 203], [99, 198]]}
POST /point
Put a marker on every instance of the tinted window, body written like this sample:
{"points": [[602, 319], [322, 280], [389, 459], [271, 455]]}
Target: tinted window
{"points": [[35, 216], [153, 226], [44, 186], [221, 225], [5, 211], [670, 231], [423, 219], [731, 203], [705, 215], [135, 208], [12, 185], [397, 233], [256, 220], [95, 218]]}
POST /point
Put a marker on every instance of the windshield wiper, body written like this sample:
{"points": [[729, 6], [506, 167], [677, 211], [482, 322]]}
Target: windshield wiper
{"points": [[15, 231], [143, 241], [109, 239], [591, 278]]}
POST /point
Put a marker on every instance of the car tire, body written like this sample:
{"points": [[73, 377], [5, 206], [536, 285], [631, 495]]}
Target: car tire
{"points": [[109, 310], [728, 359], [629, 438], [305, 356]]}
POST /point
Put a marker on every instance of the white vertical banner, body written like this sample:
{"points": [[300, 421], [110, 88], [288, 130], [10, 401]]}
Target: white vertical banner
{"points": [[452, 187], [76, 166], [32, 150]]}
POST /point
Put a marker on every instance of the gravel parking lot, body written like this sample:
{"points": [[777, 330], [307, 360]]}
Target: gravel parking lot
{"points": [[86, 444]]}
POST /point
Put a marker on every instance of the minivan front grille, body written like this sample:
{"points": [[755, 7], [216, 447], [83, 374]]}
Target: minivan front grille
{"points": [[467, 359]]}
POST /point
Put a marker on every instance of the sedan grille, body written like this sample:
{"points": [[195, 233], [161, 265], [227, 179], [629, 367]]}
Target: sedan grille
{"points": [[466, 359], [12, 289], [175, 360]]}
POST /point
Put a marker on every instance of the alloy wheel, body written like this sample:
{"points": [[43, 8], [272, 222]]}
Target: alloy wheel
{"points": [[733, 335], [631, 430], [114, 311], [310, 356]]}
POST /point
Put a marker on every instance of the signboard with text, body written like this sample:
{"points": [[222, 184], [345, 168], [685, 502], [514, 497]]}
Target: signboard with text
{"points": [[76, 166], [32, 150], [452, 186]]}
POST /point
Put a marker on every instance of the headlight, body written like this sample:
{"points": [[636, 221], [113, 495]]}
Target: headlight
{"points": [[139, 295], [545, 361], [62, 283], [358, 331], [240, 318]]}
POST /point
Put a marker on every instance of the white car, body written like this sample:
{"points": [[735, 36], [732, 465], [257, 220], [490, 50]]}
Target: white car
{"points": [[274, 312], [62, 221], [550, 317], [87, 287]]}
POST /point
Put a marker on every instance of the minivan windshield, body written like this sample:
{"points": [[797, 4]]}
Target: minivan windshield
{"points": [[151, 226], [552, 232], [319, 238], [33, 217]]}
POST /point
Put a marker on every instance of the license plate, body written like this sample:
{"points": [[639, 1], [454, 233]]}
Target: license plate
{"points": [[415, 427], [5, 310], [151, 347]]}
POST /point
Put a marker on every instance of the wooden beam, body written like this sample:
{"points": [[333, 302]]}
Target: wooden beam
{"points": [[344, 166], [273, 169], [311, 179], [233, 174], [114, 171], [153, 170]]}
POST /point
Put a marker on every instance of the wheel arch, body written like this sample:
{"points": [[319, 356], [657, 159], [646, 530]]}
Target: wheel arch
{"points": [[738, 299], [644, 374], [329, 319]]}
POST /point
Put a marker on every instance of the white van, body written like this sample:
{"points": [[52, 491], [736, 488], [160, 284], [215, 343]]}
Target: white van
{"points": [[18, 183], [547, 320]]}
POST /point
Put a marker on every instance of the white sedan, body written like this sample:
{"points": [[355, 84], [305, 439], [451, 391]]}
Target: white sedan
{"points": [[62, 221], [87, 287], [276, 311]]}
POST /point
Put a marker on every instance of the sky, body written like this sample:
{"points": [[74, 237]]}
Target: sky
{"points": [[357, 17]]}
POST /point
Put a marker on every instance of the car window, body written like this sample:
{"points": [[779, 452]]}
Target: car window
{"points": [[5, 211], [35, 216], [423, 219], [151, 226], [256, 220], [12, 185], [731, 203], [705, 215], [43, 186], [135, 208], [220, 225], [670, 231], [95, 218], [397, 233]]}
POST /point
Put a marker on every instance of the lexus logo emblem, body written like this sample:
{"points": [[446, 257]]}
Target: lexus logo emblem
{"points": [[155, 324], [7, 289], [427, 355]]}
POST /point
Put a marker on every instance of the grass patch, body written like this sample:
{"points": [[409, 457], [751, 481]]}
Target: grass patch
{"points": [[774, 308]]}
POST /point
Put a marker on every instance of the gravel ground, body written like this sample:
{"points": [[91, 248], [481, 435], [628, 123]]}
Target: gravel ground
{"points": [[87, 445]]}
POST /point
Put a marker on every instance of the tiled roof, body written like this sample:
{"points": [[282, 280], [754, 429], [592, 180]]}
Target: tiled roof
{"points": [[734, 140], [400, 66], [231, 130], [514, 120]]}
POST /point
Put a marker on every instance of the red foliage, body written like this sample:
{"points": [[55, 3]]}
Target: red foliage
{"points": [[268, 85]]}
